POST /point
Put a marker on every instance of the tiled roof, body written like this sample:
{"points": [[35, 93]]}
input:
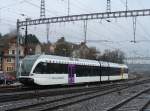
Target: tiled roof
{"points": [[5, 40]]}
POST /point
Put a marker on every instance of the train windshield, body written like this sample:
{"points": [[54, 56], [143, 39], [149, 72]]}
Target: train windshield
{"points": [[26, 65]]}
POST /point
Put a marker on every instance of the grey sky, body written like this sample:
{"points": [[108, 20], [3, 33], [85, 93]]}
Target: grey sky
{"points": [[119, 31]]}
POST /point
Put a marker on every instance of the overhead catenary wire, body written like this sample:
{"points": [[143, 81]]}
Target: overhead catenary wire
{"points": [[139, 23], [76, 5], [95, 31], [55, 13], [86, 7], [85, 35], [135, 22], [11, 5]]}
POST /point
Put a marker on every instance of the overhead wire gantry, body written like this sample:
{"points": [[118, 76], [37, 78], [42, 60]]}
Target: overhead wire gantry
{"points": [[80, 17]]}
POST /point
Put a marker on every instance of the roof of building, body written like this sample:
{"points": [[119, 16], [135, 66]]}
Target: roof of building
{"points": [[4, 41]]}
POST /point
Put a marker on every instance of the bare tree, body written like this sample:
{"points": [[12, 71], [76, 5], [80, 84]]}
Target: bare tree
{"points": [[113, 56]]}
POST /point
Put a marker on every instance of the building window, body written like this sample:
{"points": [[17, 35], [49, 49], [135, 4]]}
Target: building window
{"points": [[10, 69], [10, 60], [13, 51], [10, 52]]}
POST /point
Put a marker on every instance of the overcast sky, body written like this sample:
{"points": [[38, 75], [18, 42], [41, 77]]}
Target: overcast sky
{"points": [[118, 31]]}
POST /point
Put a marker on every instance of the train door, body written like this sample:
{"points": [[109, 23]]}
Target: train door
{"points": [[108, 71], [122, 72], [100, 71], [71, 73]]}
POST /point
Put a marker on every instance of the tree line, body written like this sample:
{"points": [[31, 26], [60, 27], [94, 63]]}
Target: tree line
{"points": [[69, 49], [64, 48]]}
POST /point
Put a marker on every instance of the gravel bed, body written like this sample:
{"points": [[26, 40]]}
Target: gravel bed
{"points": [[101, 103], [20, 103], [61, 88], [46, 92], [109, 97], [136, 104], [147, 108]]}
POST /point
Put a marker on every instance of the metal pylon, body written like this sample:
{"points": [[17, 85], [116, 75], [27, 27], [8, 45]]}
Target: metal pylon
{"points": [[42, 16], [108, 6], [42, 11]]}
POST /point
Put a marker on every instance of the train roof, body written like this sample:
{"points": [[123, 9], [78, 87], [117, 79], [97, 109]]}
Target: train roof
{"points": [[70, 60]]}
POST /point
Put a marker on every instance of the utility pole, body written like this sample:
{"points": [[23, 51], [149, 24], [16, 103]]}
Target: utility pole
{"points": [[134, 29], [47, 30], [85, 31], [43, 16], [26, 34], [17, 49], [25, 40]]}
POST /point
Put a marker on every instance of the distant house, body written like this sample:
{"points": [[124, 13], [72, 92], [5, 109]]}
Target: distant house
{"points": [[33, 49], [38, 49], [45, 48], [80, 51], [48, 48], [8, 52]]}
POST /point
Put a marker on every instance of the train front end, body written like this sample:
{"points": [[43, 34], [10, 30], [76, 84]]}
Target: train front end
{"points": [[26, 65]]}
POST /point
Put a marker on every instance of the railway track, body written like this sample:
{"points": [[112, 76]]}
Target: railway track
{"points": [[146, 107], [12, 89], [72, 99], [55, 102], [8, 97], [30, 93], [137, 102]]}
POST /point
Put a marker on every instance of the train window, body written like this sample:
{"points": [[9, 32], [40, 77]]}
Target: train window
{"points": [[83, 71], [126, 70], [97, 71], [104, 71], [79, 71], [115, 71], [51, 68], [94, 71], [40, 68], [55, 68]]}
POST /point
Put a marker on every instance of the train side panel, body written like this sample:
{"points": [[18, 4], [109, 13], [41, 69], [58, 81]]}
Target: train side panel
{"points": [[50, 79], [54, 70]]}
